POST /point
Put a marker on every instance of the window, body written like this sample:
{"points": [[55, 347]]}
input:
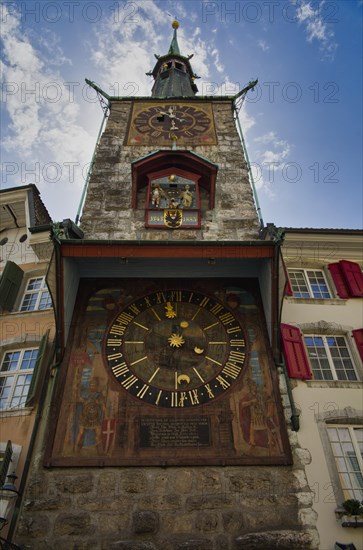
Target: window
{"points": [[308, 283], [15, 377], [10, 282], [348, 279], [330, 358], [36, 295], [5, 459], [347, 447]]}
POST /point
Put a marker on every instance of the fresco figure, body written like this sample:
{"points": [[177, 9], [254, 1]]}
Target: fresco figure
{"points": [[91, 416]]}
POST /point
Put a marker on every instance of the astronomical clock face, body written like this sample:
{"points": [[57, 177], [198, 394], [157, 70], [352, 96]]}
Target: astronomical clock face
{"points": [[175, 348], [169, 372], [164, 122]]}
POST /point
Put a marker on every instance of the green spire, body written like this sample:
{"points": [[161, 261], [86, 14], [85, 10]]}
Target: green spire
{"points": [[173, 74], [174, 46]]}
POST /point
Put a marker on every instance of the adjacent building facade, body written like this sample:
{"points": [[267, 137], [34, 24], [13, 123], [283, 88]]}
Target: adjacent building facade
{"points": [[26, 327], [323, 345]]}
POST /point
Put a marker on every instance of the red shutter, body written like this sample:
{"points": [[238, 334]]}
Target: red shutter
{"points": [[288, 288], [353, 276], [293, 346], [358, 338], [339, 280]]}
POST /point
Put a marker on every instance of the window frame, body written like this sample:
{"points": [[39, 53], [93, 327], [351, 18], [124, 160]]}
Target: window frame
{"points": [[330, 358], [347, 492], [16, 373], [11, 451], [308, 284], [42, 290]]}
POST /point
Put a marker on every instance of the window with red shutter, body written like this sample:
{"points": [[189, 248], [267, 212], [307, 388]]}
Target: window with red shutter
{"points": [[288, 288], [339, 280], [348, 279], [293, 346], [358, 338], [354, 277]]}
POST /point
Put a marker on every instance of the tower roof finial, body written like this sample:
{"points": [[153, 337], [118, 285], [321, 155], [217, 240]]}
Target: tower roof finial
{"points": [[174, 46]]}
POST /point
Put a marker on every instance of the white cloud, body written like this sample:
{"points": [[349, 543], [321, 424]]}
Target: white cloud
{"points": [[316, 28], [117, 47], [246, 120], [50, 42], [270, 162], [43, 128], [263, 45], [218, 65]]}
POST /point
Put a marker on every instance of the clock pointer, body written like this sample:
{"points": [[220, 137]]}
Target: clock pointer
{"points": [[171, 114]]}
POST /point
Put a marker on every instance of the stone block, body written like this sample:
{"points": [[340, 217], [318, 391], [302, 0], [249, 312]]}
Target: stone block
{"points": [[183, 481], [134, 482], [53, 503], [180, 522], [162, 502], [114, 524], [209, 481], [145, 521], [233, 521], [210, 502], [98, 504], [72, 524], [77, 483], [207, 521], [160, 483], [283, 540], [106, 481], [33, 527]]}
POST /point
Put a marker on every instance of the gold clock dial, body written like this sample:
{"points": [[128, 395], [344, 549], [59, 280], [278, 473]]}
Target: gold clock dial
{"points": [[176, 348], [185, 121], [167, 121]]}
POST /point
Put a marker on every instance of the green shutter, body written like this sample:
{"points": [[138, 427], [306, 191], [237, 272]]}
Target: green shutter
{"points": [[37, 369], [9, 285], [5, 462]]}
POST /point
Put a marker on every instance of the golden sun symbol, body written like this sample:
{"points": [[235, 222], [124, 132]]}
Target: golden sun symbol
{"points": [[170, 313], [176, 340]]}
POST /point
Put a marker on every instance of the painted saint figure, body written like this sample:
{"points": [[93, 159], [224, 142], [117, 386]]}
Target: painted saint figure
{"points": [[91, 415]]}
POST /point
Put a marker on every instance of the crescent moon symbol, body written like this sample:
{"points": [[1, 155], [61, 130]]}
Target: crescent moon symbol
{"points": [[183, 378]]}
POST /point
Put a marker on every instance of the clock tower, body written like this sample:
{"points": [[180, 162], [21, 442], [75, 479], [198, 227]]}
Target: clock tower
{"points": [[167, 400], [172, 161]]}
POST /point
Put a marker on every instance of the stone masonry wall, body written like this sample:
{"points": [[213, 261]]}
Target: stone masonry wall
{"points": [[171, 508], [156, 508], [107, 212]]}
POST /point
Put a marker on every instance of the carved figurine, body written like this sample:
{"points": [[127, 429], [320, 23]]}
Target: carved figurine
{"points": [[156, 195], [187, 197]]}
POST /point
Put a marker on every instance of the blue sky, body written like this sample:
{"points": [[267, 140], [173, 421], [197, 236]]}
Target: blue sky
{"points": [[302, 124]]}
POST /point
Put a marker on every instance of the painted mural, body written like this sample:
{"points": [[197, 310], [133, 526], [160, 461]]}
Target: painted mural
{"points": [[169, 372]]}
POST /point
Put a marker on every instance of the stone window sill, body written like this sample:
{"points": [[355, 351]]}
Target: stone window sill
{"points": [[358, 384], [317, 301]]}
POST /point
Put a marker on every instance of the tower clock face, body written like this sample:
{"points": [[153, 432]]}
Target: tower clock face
{"points": [[167, 121], [175, 348], [186, 121]]}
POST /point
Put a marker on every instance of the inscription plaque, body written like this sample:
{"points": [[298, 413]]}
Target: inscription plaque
{"points": [[174, 432]]}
